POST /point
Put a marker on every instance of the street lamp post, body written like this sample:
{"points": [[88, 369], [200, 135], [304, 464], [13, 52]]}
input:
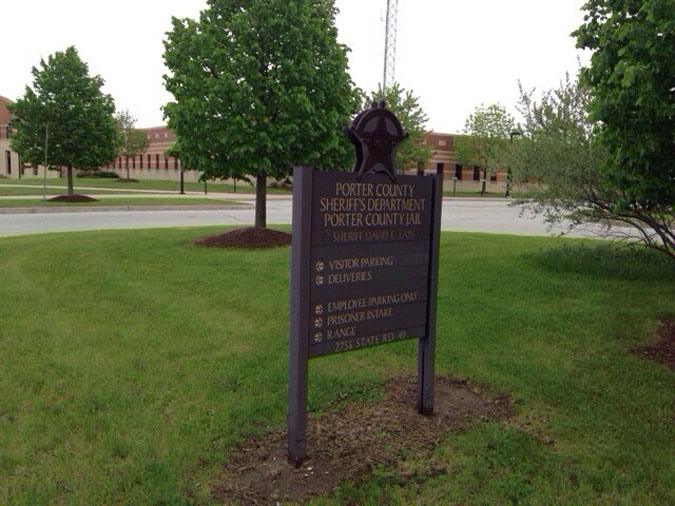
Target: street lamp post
{"points": [[44, 168], [509, 176], [182, 181]]}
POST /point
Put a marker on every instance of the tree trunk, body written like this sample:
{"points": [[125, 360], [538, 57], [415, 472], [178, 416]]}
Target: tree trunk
{"points": [[261, 200], [69, 175]]}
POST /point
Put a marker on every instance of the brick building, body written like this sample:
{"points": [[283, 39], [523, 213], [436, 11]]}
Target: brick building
{"points": [[9, 161], [155, 163], [443, 161]]}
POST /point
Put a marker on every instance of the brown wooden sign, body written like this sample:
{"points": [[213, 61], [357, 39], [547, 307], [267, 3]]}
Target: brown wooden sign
{"points": [[364, 262]]}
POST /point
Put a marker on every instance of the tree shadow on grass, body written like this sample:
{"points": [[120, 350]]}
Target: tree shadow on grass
{"points": [[607, 260]]}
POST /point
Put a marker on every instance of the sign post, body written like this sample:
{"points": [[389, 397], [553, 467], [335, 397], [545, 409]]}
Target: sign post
{"points": [[298, 336], [364, 264]]}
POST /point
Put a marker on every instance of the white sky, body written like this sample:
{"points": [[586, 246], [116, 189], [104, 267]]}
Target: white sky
{"points": [[453, 54]]}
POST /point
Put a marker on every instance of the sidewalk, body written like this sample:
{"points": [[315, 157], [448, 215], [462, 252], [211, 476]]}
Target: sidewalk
{"points": [[122, 192]]}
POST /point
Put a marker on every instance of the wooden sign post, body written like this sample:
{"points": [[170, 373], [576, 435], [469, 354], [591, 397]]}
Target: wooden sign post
{"points": [[364, 267]]}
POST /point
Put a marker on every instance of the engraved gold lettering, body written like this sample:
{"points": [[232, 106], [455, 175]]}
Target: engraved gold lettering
{"points": [[349, 277], [340, 333]]}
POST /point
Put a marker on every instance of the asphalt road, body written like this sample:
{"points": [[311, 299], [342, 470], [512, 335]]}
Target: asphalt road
{"points": [[468, 215]]}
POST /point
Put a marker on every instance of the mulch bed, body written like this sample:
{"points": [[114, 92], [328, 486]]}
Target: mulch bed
{"points": [[349, 440], [72, 198], [246, 238], [662, 350], [126, 180]]}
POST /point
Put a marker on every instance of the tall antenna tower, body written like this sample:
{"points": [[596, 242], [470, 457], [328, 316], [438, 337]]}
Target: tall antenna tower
{"points": [[390, 44]]}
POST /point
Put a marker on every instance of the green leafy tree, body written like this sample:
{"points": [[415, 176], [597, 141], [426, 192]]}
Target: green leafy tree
{"points": [[631, 80], [64, 98], [259, 86], [563, 166], [133, 141], [405, 105], [486, 140]]}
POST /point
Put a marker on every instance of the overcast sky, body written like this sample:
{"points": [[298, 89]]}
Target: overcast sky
{"points": [[453, 54]]}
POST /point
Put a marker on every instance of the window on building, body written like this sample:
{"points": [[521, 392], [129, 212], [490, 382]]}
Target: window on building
{"points": [[476, 174], [35, 171], [8, 132], [140, 161], [157, 161], [8, 158], [157, 136], [493, 177], [441, 142], [149, 161], [166, 134], [439, 168], [166, 162], [458, 171]]}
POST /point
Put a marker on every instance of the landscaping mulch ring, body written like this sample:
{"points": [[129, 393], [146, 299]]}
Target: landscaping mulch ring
{"points": [[662, 350], [349, 440], [246, 238], [72, 198]]}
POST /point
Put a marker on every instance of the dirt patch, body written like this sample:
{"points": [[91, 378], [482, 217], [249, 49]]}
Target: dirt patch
{"points": [[347, 441], [73, 198], [662, 350], [246, 238], [126, 180]]}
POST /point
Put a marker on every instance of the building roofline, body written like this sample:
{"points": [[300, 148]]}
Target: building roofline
{"points": [[431, 132]]}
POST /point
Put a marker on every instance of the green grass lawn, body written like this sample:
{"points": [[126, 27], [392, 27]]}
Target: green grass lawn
{"points": [[143, 184], [132, 362], [121, 201]]}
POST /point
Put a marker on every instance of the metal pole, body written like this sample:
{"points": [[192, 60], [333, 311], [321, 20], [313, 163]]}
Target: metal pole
{"points": [[508, 171], [298, 347], [426, 346], [44, 168]]}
